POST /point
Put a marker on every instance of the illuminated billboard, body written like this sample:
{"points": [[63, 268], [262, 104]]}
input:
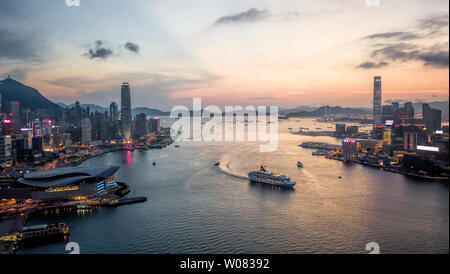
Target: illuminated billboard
{"points": [[389, 122], [428, 148]]}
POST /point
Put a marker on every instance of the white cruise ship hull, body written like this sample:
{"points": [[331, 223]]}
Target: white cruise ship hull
{"points": [[270, 181]]}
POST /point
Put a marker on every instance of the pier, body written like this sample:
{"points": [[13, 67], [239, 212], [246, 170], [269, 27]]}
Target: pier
{"points": [[14, 233], [126, 201], [40, 233]]}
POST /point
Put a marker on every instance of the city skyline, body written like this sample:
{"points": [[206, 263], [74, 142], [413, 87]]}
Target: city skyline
{"points": [[250, 129], [259, 53]]}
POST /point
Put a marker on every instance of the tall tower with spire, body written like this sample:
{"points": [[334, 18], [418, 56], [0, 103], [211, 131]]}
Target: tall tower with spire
{"points": [[126, 119]]}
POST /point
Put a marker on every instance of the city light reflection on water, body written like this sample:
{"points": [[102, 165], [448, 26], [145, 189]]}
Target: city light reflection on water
{"points": [[129, 157], [197, 207]]}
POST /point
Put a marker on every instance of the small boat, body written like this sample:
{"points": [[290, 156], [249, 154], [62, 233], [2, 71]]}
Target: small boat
{"points": [[217, 164], [154, 163], [177, 145], [299, 164], [320, 153]]}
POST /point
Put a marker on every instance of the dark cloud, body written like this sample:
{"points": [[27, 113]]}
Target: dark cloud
{"points": [[394, 52], [372, 65], [434, 22], [393, 35], [425, 28], [18, 47], [251, 15], [433, 57], [99, 50], [133, 47], [432, 27]]}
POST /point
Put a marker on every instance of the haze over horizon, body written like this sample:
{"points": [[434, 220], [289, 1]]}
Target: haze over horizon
{"points": [[228, 52]]}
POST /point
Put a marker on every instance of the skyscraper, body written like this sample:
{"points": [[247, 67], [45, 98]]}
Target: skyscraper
{"points": [[377, 114], [79, 113], [140, 129], [126, 118], [113, 129], [86, 131], [432, 118], [13, 111], [155, 125], [113, 112]]}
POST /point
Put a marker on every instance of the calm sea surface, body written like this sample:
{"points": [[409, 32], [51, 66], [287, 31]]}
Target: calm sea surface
{"points": [[196, 207]]}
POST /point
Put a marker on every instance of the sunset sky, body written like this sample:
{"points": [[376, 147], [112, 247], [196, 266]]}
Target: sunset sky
{"points": [[259, 52]]}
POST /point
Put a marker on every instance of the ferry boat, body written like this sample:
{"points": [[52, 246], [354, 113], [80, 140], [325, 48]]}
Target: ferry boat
{"points": [[266, 177], [320, 153]]}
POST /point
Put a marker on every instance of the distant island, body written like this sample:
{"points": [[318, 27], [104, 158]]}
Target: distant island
{"points": [[306, 111]]}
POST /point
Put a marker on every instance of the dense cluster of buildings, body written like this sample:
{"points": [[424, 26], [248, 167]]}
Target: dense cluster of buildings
{"points": [[28, 135], [416, 144]]}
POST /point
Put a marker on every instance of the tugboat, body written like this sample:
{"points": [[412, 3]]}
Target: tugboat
{"points": [[266, 177], [299, 164]]}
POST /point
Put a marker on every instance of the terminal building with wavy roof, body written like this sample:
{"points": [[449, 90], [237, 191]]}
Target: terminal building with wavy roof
{"points": [[69, 183]]}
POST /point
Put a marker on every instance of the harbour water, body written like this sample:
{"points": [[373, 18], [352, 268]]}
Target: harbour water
{"points": [[196, 207]]}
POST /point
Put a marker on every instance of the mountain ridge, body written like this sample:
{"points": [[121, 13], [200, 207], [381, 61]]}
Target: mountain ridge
{"points": [[12, 90]]}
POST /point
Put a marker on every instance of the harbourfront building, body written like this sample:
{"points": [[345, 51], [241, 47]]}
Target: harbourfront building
{"points": [[65, 184], [349, 149], [126, 118], [377, 112]]}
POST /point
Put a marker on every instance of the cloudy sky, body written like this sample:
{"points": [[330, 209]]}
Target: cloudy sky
{"points": [[265, 52]]}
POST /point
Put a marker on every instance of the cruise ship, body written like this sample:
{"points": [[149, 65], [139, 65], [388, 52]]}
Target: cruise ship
{"points": [[266, 177]]}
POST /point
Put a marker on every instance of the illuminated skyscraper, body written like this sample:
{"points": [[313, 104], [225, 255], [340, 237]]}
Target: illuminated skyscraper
{"points": [[5, 148], [155, 125], [432, 118], [387, 136], [114, 119], [113, 112], [377, 114], [126, 118], [13, 111]]}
